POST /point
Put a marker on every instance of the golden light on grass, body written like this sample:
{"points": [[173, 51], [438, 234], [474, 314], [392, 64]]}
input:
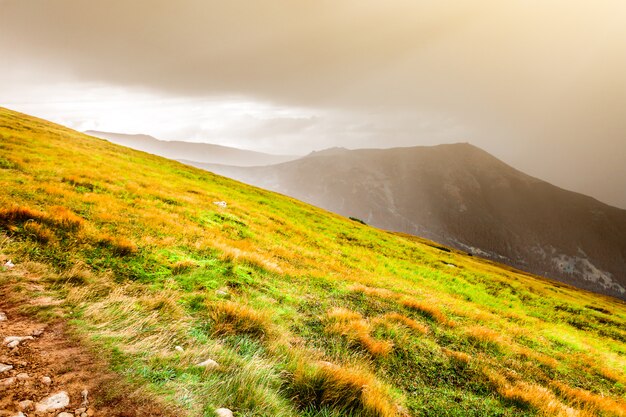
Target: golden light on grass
{"points": [[588, 400], [409, 322], [231, 318], [456, 355], [374, 292], [427, 309], [534, 395], [347, 390], [289, 268], [357, 329]]}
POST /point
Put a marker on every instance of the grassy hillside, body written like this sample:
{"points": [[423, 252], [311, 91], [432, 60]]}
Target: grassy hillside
{"points": [[306, 313]]}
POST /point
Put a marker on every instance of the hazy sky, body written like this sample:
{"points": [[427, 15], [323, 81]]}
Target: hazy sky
{"points": [[540, 84]]}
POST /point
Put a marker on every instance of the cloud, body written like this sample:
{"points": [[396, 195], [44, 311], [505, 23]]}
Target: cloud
{"points": [[538, 83]]}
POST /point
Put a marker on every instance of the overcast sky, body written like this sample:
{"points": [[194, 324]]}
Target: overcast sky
{"points": [[540, 84]]}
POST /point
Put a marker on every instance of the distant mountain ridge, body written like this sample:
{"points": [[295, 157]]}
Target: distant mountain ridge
{"points": [[200, 152], [464, 197]]}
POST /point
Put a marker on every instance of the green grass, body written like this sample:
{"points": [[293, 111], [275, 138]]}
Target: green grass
{"points": [[306, 312]]}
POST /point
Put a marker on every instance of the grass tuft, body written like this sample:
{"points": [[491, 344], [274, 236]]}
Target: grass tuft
{"points": [[358, 330], [344, 390], [428, 310], [231, 318]]}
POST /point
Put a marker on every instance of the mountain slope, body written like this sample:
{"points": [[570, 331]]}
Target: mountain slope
{"points": [[201, 152], [461, 196], [304, 312]]}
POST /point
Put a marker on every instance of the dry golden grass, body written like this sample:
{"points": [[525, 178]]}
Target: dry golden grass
{"points": [[120, 245], [409, 322], [588, 400], [357, 329], [39, 232], [456, 355], [129, 313], [57, 216], [374, 292], [483, 334], [234, 318], [231, 252], [428, 310], [348, 390], [533, 395], [528, 353], [181, 267]]}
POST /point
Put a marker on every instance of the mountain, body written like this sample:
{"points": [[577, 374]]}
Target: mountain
{"points": [[200, 152], [199, 292], [460, 195]]}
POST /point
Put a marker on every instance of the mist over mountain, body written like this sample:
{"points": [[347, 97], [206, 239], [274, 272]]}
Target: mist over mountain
{"points": [[201, 152], [464, 197]]}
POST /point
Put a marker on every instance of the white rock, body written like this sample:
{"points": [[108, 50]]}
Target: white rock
{"points": [[85, 402], [209, 363], [13, 341], [179, 348], [53, 402], [25, 405], [222, 204], [4, 367], [8, 264], [46, 380], [22, 376], [19, 414], [65, 414], [224, 412], [221, 293], [6, 382], [3, 316]]}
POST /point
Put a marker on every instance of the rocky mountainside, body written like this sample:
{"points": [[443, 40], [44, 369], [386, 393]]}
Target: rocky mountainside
{"points": [[462, 196], [201, 152]]}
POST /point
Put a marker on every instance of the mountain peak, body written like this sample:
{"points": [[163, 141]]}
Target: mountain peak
{"points": [[335, 150]]}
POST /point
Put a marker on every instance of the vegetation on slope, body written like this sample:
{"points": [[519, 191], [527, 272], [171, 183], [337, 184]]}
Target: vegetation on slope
{"points": [[306, 313]]}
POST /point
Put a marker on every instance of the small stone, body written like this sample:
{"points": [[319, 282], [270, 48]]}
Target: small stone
{"points": [[84, 393], [38, 332], [224, 412], [7, 382], [91, 412], [4, 367], [9, 265], [46, 380], [79, 411], [13, 341], [53, 402], [84, 415], [209, 364], [65, 414], [3, 317], [26, 405], [22, 376], [221, 293], [19, 414], [179, 348], [222, 204]]}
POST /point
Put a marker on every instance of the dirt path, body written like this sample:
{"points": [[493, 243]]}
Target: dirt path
{"points": [[50, 362]]}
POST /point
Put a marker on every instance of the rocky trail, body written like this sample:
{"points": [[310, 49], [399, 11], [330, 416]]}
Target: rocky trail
{"points": [[45, 371]]}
